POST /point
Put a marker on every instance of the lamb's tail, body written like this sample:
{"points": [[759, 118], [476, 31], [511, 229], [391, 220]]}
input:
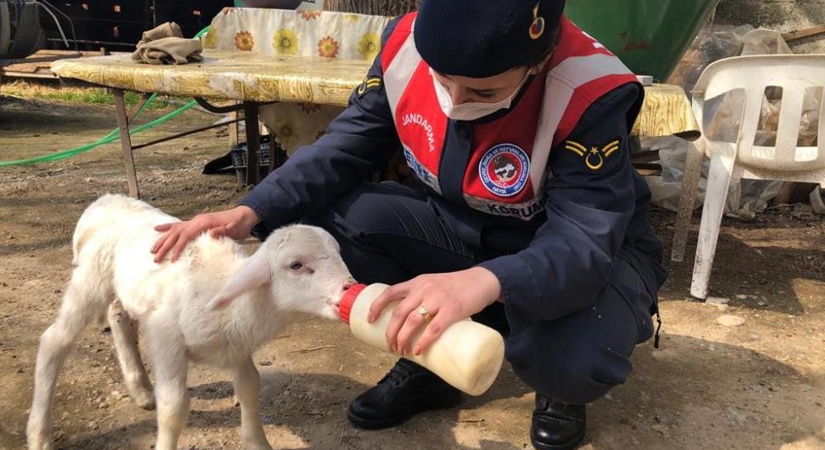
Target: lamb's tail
{"points": [[99, 217]]}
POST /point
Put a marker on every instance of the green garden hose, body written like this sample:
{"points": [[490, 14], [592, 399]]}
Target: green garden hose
{"points": [[112, 136]]}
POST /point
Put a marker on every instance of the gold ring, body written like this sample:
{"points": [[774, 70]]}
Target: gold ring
{"points": [[424, 313]]}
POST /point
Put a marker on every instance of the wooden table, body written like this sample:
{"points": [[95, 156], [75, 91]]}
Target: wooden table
{"points": [[254, 80], [250, 79], [666, 112], [240, 76]]}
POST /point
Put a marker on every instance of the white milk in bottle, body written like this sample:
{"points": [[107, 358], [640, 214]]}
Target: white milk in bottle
{"points": [[468, 355]]}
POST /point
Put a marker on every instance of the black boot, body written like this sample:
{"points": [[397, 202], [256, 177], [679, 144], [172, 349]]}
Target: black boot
{"points": [[407, 390], [557, 426]]}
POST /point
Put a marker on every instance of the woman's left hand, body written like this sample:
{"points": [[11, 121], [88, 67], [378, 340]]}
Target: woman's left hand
{"points": [[447, 297]]}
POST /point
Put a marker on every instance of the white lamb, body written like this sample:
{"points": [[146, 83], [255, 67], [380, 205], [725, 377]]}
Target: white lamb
{"points": [[215, 305]]}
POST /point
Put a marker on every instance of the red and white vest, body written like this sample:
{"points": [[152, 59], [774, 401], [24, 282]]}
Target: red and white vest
{"points": [[508, 165]]}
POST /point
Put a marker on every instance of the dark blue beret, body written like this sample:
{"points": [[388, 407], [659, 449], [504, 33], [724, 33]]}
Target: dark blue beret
{"points": [[483, 38]]}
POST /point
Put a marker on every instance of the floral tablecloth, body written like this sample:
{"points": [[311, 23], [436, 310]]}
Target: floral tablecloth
{"points": [[309, 34], [269, 55], [232, 75]]}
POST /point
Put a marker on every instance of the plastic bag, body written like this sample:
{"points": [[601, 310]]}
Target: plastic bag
{"points": [[747, 197], [712, 44]]}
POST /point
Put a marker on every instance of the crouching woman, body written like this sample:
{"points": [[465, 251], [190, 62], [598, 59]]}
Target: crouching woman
{"points": [[527, 215]]}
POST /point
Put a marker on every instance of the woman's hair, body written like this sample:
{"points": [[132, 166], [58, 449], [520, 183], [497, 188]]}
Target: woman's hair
{"points": [[549, 42]]}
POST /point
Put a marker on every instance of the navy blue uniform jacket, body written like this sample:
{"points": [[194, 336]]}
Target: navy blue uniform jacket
{"points": [[548, 267]]}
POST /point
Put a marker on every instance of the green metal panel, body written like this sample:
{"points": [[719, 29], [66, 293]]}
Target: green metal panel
{"points": [[650, 36]]}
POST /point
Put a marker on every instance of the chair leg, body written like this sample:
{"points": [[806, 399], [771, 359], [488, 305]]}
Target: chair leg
{"points": [[721, 170], [687, 198]]}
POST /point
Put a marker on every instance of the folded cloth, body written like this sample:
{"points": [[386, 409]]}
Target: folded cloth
{"points": [[168, 29], [169, 50], [165, 44]]}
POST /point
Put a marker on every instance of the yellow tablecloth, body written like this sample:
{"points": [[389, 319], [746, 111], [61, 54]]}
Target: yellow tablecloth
{"points": [[227, 75], [666, 112], [260, 78]]}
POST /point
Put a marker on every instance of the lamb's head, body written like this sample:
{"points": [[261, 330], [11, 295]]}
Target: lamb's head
{"points": [[302, 266]]}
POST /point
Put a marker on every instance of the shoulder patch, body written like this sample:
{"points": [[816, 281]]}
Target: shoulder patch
{"points": [[368, 84], [594, 157]]}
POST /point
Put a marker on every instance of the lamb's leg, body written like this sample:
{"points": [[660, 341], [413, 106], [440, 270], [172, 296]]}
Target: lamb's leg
{"points": [[247, 384], [169, 361], [124, 333], [84, 301]]}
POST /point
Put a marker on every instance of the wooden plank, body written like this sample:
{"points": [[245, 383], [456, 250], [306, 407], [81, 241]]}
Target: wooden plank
{"points": [[38, 65], [804, 33], [37, 75], [28, 67], [648, 166], [649, 172], [645, 157]]}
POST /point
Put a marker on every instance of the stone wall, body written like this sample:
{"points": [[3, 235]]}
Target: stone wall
{"points": [[781, 15]]}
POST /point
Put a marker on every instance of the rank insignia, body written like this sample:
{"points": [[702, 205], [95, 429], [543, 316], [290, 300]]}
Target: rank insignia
{"points": [[368, 84], [594, 157]]}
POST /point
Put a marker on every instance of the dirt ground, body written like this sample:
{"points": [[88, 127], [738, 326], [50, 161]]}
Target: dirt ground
{"points": [[759, 385]]}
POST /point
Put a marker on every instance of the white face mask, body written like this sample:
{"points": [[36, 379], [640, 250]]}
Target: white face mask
{"points": [[470, 111]]}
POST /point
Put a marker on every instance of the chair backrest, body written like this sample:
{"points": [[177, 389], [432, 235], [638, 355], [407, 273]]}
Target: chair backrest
{"points": [[797, 75], [314, 34]]}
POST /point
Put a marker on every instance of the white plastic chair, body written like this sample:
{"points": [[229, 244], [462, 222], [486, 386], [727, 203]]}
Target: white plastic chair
{"points": [[795, 74]]}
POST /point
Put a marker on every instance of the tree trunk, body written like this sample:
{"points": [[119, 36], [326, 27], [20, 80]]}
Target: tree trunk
{"points": [[373, 7]]}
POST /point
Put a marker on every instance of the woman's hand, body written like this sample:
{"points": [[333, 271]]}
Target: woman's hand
{"points": [[448, 297], [235, 223]]}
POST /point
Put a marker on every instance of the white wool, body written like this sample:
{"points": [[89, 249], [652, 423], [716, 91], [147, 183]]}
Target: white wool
{"points": [[214, 305]]}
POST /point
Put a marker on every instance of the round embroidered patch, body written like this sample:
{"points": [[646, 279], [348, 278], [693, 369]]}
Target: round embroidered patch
{"points": [[504, 170]]}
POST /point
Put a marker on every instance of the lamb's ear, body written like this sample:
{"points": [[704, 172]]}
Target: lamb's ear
{"points": [[255, 273]]}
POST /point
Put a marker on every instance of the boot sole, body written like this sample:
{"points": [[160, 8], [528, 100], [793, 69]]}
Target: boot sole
{"points": [[574, 444], [380, 424]]}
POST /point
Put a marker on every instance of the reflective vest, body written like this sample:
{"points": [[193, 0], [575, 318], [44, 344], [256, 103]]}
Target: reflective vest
{"points": [[508, 165]]}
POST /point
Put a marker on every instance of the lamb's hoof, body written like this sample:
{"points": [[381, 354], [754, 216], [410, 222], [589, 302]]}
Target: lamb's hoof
{"points": [[258, 446], [145, 400], [255, 440], [236, 402], [40, 441]]}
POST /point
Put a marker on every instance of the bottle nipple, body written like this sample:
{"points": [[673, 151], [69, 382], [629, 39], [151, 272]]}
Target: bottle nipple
{"points": [[347, 299]]}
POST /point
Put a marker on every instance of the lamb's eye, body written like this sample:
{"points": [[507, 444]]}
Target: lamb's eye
{"points": [[296, 266]]}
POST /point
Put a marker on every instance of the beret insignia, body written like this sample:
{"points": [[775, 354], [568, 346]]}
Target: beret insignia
{"points": [[538, 25]]}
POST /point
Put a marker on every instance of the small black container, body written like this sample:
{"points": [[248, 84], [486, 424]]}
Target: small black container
{"points": [[239, 158]]}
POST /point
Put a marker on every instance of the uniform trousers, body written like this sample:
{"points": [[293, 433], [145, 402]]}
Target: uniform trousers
{"points": [[390, 233]]}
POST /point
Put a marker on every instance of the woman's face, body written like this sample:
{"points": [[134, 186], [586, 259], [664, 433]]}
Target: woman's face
{"points": [[483, 90]]}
